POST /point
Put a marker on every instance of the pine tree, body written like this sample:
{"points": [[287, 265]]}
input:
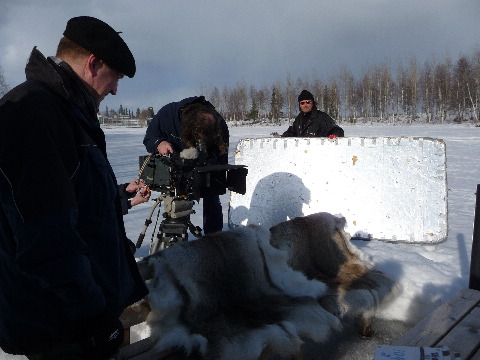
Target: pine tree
{"points": [[253, 114]]}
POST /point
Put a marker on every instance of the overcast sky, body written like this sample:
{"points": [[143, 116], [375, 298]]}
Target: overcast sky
{"points": [[183, 46]]}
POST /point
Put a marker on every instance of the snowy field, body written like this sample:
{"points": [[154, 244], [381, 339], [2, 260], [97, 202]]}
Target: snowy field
{"points": [[428, 274]]}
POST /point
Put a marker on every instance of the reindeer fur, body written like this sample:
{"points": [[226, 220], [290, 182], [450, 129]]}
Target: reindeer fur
{"points": [[238, 294]]}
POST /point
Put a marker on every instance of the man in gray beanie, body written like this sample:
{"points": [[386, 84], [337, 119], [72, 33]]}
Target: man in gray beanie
{"points": [[311, 122], [67, 271]]}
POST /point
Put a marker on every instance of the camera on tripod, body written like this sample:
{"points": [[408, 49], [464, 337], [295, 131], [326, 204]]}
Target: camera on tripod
{"points": [[181, 179], [191, 174]]}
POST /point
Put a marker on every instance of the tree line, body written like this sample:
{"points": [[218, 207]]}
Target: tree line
{"points": [[443, 90], [124, 112]]}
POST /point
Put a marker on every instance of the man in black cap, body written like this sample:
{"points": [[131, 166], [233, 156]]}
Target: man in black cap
{"points": [[311, 122], [67, 272]]}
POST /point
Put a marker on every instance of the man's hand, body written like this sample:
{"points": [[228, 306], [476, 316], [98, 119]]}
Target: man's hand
{"points": [[165, 148], [134, 186], [143, 195], [141, 191]]}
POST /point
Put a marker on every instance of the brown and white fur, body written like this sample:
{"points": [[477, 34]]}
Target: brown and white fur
{"points": [[232, 295], [319, 247]]}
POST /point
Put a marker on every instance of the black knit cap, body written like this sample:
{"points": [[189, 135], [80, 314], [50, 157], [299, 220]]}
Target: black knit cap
{"points": [[101, 40], [305, 95]]}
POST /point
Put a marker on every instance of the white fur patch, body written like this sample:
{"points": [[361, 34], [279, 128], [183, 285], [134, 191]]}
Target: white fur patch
{"points": [[189, 153], [292, 282]]}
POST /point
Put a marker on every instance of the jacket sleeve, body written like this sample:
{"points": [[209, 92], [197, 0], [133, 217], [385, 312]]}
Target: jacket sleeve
{"points": [[328, 127], [332, 127], [155, 133], [290, 132], [165, 126], [124, 197], [336, 130]]}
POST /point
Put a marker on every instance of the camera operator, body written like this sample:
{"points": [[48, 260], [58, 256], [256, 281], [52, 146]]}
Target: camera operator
{"points": [[192, 122]]}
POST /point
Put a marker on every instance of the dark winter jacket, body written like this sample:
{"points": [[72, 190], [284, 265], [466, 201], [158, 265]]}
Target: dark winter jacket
{"points": [[64, 259], [166, 126], [313, 124]]}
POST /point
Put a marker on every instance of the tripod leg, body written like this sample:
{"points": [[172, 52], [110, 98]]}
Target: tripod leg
{"points": [[195, 230], [158, 245], [148, 221]]}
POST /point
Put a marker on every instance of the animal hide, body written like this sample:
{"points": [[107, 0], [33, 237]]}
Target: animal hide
{"points": [[232, 295], [318, 246]]}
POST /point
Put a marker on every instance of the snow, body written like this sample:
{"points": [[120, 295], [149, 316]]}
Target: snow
{"points": [[427, 274]]}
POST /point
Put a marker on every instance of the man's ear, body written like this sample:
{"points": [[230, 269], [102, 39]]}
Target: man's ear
{"points": [[93, 65]]}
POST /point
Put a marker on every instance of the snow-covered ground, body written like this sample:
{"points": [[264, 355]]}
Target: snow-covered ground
{"points": [[428, 274]]}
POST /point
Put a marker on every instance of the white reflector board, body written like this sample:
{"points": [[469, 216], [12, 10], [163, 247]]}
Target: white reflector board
{"points": [[392, 189]]}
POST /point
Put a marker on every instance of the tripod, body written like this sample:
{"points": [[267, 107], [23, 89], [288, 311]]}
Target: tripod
{"points": [[174, 228]]}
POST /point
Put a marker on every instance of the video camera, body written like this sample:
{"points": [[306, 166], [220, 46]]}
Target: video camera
{"points": [[183, 178], [191, 174]]}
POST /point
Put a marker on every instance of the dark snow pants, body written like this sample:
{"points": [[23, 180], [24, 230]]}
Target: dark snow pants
{"points": [[212, 214]]}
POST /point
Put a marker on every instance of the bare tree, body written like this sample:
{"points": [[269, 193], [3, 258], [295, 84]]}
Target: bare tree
{"points": [[427, 86], [411, 98], [331, 99], [241, 94], [303, 84], [388, 88], [462, 87], [442, 89], [291, 98], [365, 95], [3, 84], [262, 101], [347, 85], [225, 96], [316, 88], [216, 99], [236, 101], [476, 82], [468, 84]]}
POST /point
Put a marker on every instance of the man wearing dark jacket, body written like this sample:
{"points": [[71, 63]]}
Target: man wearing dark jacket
{"points": [[66, 271], [311, 122], [169, 132]]}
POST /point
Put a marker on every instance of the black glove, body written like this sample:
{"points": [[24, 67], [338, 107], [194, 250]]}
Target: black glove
{"points": [[106, 337]]}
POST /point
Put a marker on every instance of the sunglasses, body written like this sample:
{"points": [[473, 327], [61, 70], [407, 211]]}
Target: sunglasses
{"points": [[305, 102]]}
